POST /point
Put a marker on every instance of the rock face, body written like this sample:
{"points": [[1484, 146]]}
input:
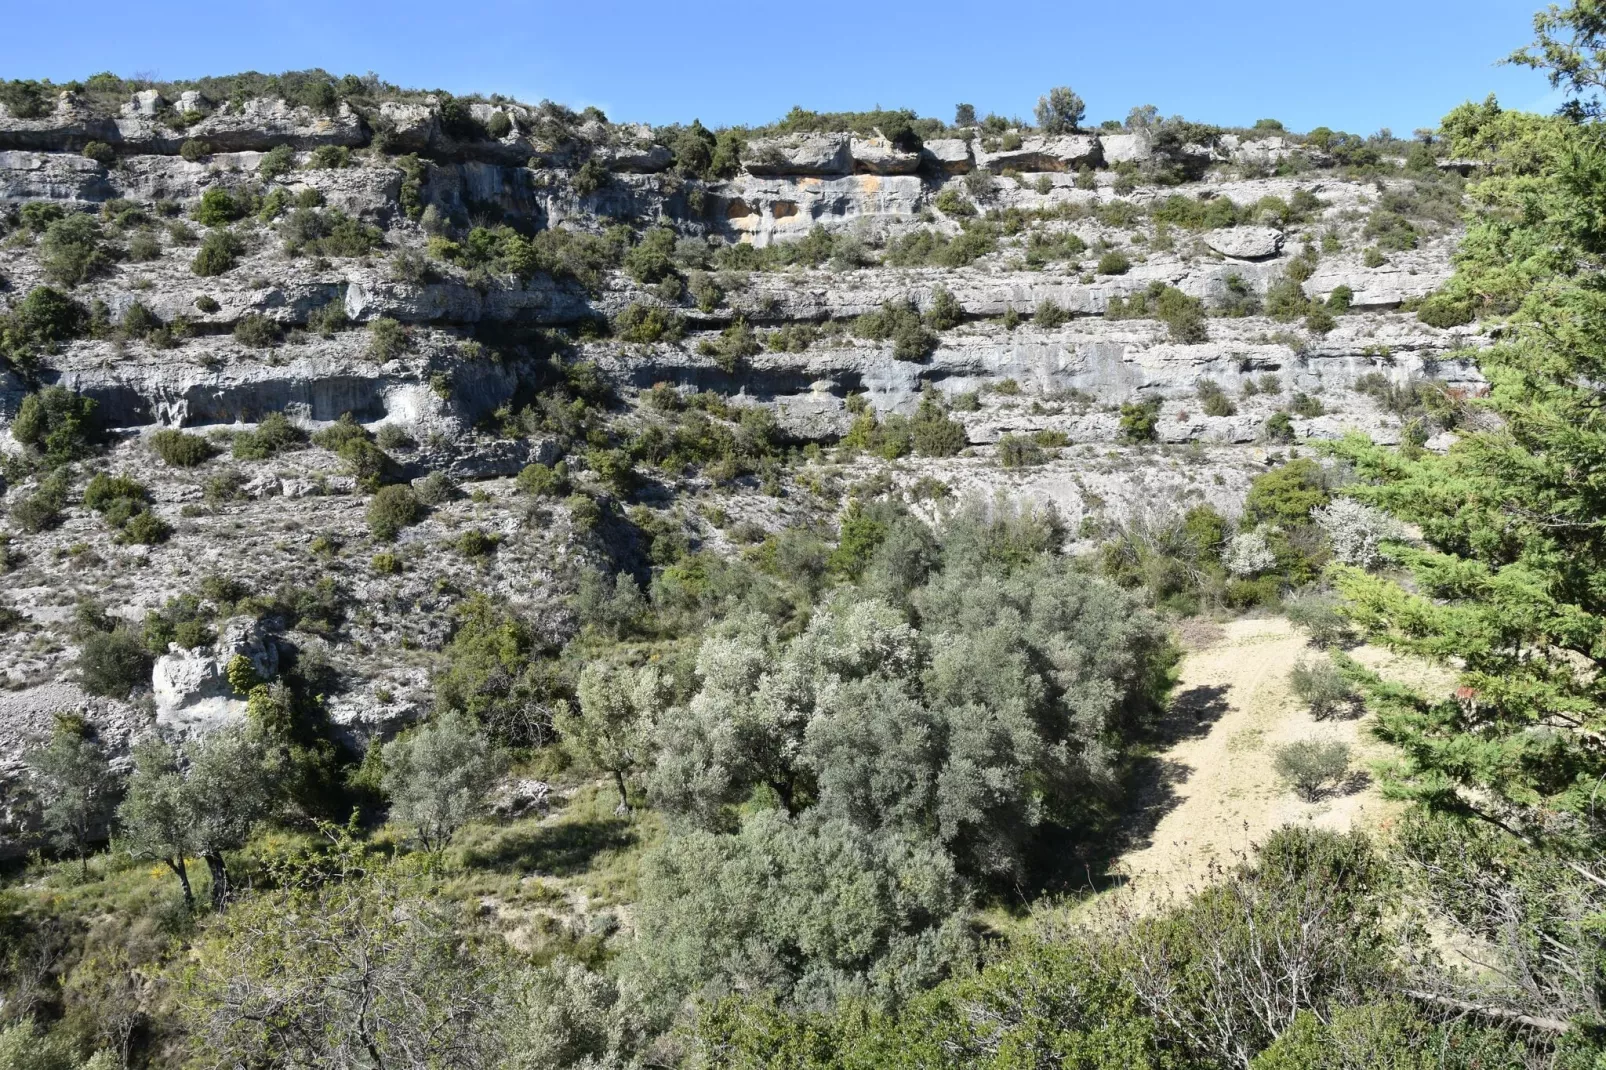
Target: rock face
{"points": [[191, 687], [494, 341], [1045, 154], [1245, 243], [803, 154]]}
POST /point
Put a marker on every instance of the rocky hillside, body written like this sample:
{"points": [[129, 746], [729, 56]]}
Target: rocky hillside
{"points": [[590, 348]]}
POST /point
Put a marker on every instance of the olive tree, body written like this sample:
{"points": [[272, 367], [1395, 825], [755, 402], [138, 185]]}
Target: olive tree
{"points": [[74, 784], [438, 775], [612, 730], [1060, 112]]}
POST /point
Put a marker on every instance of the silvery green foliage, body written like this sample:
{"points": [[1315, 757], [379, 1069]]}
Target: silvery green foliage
{"points": [[437, 777], [1249, 554], [898, 762], [563, 1016], [1357, 531]]}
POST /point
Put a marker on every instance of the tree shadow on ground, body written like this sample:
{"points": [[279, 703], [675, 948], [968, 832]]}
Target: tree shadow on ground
{"points": [[555, 848], [1191, 713]]}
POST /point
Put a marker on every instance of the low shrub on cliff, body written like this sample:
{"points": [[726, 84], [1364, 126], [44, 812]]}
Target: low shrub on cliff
{"points": [[56, 425], [274, 434], [900, 324], [641, 322], [179, 449], [40, 323], [391, 509], [217, 253], [72, 250]]}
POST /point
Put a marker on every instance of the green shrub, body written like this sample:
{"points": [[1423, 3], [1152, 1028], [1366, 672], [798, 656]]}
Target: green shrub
{"points": [[1140, 420], [179, 449], [219, 207], [1305, 405], [541, 481], [945, 312], [1050, 314], [256, 330], [328, 158], [1341, 298], [475, 544], [1391, 231], [932, 433], [641, 322], [735, 343], [1279, 428], [1321, 687], [56, 424], [1213, 400], [386, 563], [392, 509], [1373, 257], [950, 202], [1311, 767], [499, 125], [71, 252], [274, 434], [1114, 263], [1442, 310], [387, 340], [1286, 300], [217, 253], [1318, 320], [194, 150], [101, 153], [143, 248], [328, 318], [1018, 451], [277, 161], [1285, 496], [900, 323], [145, 528], [40, 323], [113, 664], [41, 510]]}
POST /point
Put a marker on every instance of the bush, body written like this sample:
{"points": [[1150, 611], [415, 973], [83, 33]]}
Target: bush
{"points": [[1286, 300], [387, 340], [41, 509], [194, 150], [1050, 315], [1318, 615], [1320, 686], [219, 207], [273, 435], [1305, 405], [70, 251], [1279, 428], [113, 664], [217, 253], [56, 424], [735, 343], [474, 544], [1140, 420], [1356, 531], [101, 153], [1213, 400], [1285, 496], [1341, 298], [1311, 767], [179, 449], [391, 509], [1318, 320], [40, 322], [640, 322], [436, 488], [279, 160], [901, 324], [256, 330], [541, 481], [1114, 263], [945, 312], [329, 158], [1018, 451], [1443, 311]]}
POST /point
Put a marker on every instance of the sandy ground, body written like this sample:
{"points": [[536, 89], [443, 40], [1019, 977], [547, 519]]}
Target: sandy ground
{"points": [[1212, 795]]}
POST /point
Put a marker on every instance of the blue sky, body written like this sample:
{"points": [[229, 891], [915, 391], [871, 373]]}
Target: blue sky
{"points": [[1356, 65]]}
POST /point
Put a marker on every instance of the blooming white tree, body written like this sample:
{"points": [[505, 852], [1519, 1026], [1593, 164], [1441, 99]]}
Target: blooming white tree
{"points": [[1249, 554], [1357, 531]]}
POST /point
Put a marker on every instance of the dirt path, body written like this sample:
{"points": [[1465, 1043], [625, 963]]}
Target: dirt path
{"points": [[1213, 794]]}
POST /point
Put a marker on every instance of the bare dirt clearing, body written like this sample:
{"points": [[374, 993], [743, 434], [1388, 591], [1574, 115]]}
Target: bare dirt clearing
{"points": [[1213, 793]]}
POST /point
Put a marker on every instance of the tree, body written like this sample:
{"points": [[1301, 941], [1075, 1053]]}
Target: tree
{"points": [[965, 115], [1060, 112], [437, 777], [1506, 590], [612, 731], [74, 781], [228, 788], [349, 963], [156, 816], [202, 799]]}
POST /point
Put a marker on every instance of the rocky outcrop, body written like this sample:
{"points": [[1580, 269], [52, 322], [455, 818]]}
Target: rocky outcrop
{"points": [[949, 155], [1065, 153], [191, 687], [800, 154], [878, 156], [1245, 243], [256, 124]]}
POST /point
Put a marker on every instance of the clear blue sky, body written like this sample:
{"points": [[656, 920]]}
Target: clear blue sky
{"points": [[1355, 65]]}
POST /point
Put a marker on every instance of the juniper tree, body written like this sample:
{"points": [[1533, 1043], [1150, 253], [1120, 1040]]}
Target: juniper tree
{"points": [[75, 785]]}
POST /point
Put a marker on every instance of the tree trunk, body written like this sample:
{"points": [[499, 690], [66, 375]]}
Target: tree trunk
{"points": [[624, 798], [177, 866], [220, 879]]}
